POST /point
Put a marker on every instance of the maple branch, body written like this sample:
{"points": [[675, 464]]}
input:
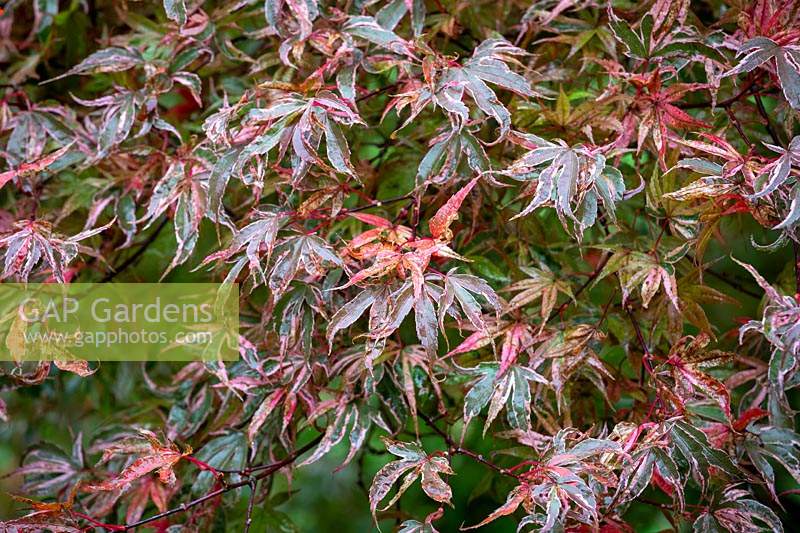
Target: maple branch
{"points": [[796, 248], [98, 523], [376, 92], [455, 449], [642, 343], [767, 122], [251, 501], [266, 471], [738, 125], [137, 254], [638, 330], [724, 103], [379, 203], [733, 283], [596, 272]]}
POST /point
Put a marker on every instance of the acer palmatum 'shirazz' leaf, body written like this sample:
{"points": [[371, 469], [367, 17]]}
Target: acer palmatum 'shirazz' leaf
{"points": [[414, 463], [449, 83], [737, 506], [571, 179], [32, 242], [785, 59], [780, 322], [396, 257], [687, 358], [777, 183], [567, 480], [153, 457], [510, 389]]}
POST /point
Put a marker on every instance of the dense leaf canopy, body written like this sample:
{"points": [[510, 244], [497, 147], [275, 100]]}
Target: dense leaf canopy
{"points": [[528, 264]]}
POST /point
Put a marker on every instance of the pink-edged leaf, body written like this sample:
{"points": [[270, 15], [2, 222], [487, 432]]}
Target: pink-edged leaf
{"points": [[162, 461], [76, 366], [264, 410], [385, 479], [710, 386], [513, 501], [432, 483], [439, 224], [372, 220]]}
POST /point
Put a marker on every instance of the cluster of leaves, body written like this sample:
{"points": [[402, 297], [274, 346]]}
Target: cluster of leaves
{"points": [[438, 212]]}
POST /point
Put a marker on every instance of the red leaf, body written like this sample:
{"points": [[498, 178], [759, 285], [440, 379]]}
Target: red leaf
{"points": [[142, 466], [440, 223], [748, 416], [372, 220]]}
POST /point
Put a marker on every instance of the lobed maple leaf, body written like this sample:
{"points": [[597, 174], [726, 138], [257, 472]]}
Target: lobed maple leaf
{"points": [[499, 386], [32, 242], [562, 176], [542, 284], [359, 418], [564, 482], [414, 463], [399, 255], [733, 509], [686, 359], [643, 271], [155, 456], [293, 120], [656, 113], [34, 167], [785, 59], [447, 82]]}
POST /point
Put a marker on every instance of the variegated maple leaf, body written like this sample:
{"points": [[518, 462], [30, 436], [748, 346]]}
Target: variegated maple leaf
{"points": [[414, 463], [498, 386], [568, 479], [571, 179], [645, 272], [34, 167], [183, 187], [33, 242], [153, 456], [396, 258], [780, 322], [541, 285], [656, 113], [690, 445], [256, 241], [779, 184], [737, 509], [447, 83], [686, 360], [291, 121], [348, 419], [783, 58]]}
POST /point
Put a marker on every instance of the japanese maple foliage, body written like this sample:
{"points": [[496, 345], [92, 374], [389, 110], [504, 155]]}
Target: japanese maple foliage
{"points": [[558, 241]]}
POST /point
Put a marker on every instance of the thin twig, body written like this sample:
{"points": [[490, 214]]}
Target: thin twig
{"points": [[597, 271], [137, 254], [249, 519], [266, 471], [733, 283], [378, 203], [738, 126], [642, 343], [768, 123], [724, 103], [376, 92], [454, 448]]}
